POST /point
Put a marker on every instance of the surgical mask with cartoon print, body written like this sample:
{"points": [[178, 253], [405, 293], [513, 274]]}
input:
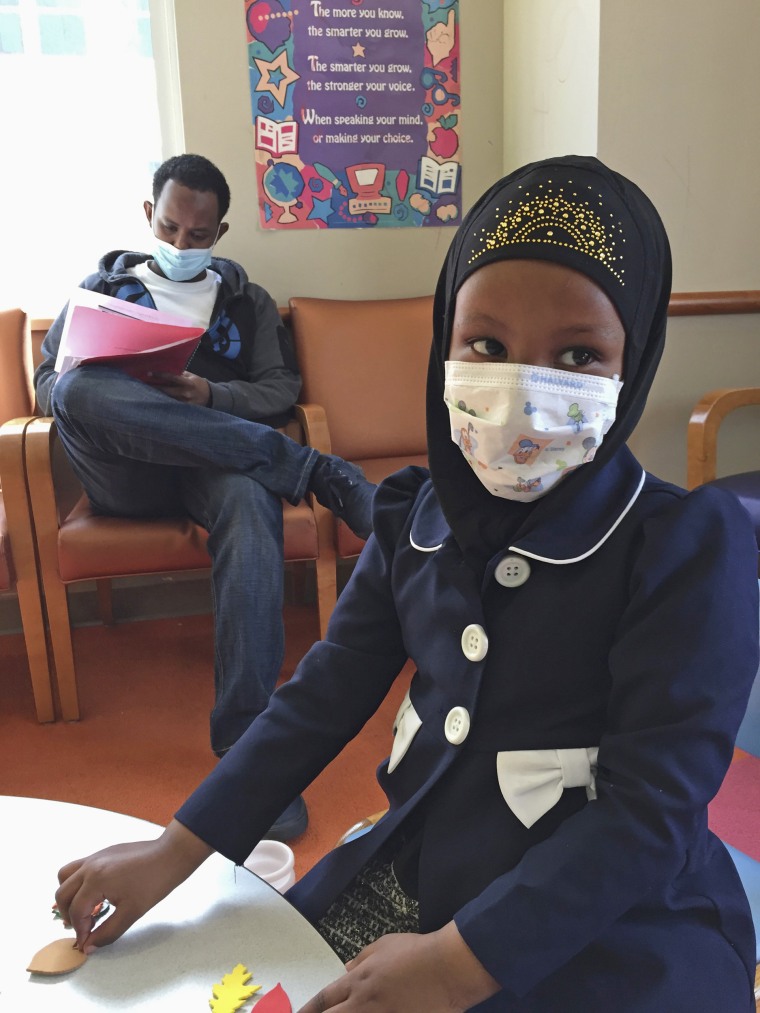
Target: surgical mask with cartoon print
{"points": [[523, 428]]}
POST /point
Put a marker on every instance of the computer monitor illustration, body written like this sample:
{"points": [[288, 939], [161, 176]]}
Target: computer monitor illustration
{"points": [[366, 180]]}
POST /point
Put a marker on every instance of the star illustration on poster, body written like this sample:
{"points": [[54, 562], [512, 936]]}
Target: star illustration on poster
{"points": [[276, 76]]}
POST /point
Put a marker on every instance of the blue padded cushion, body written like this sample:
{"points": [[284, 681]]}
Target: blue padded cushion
{"points": [[749, 873], [748, 738], [746, 487]]}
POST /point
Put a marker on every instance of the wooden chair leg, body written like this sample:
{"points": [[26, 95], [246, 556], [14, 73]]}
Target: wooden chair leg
{"points": [[325, 566], [32, 620], [103, 588], [327, 591], [16, 502], [63, 651], [39, 446]]}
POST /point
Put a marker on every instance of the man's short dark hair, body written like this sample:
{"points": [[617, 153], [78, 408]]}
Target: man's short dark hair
{"points": [[196, 173]]}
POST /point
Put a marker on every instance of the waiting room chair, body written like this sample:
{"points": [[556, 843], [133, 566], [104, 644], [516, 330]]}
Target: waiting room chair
{"points": [[74, 544], [702, 448], [18, 565], [364, 364], [748, 741], [360, 828]]}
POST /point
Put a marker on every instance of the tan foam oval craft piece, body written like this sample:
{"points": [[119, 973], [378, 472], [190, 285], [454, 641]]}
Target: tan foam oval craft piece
{"points": [[59, 957]]}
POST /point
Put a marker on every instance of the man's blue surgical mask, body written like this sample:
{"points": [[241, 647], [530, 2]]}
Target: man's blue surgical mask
{"points": [[182, 265]]}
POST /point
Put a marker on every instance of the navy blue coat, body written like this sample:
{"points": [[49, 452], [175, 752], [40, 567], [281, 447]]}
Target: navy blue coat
{"points": [[634, 632]]}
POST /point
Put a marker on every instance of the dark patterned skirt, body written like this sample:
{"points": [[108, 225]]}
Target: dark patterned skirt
{"points": [[371, 906]]}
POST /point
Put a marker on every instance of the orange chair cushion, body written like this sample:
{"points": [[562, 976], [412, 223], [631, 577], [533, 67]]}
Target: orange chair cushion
{"points": [[92, 546], [365, 363]]}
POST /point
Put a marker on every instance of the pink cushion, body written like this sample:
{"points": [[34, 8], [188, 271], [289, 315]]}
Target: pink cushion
{"points": [[734, 813]]}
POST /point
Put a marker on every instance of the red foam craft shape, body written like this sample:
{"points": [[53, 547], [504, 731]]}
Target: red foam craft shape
{"points": [[275, 1001]]}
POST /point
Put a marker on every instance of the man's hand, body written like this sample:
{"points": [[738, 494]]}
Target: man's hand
{"points": [[436, 972], [185, 387], [133, 877]]}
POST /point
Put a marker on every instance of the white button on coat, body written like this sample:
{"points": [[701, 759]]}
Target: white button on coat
{"points": [[512, 571], [474, 642], [457, 726]]}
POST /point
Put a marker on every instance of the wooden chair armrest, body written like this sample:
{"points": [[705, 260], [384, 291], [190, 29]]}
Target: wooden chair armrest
{"points": [[314, 424], [13, 436], [702, 432], [40, 436], [13, 430], [12, 477]]}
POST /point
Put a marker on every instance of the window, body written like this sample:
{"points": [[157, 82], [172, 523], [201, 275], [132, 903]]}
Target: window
{"points": [[81, 131]]}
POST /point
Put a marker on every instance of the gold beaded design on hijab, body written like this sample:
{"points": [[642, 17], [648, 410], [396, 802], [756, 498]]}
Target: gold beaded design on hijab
{"points": [[557, 215]]}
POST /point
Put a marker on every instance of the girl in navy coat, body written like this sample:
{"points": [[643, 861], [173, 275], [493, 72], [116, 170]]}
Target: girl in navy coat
{"points": [[585, 637]]}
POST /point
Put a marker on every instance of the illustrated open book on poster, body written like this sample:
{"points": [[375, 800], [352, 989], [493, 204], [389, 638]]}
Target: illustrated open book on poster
{"points": [[279, 138], [137, 339], [438, 177]]}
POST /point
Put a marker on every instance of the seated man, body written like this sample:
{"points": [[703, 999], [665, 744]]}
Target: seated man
{"points": [[203, 443]]}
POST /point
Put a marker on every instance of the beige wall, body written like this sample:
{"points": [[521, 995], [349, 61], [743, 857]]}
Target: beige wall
{"points": [[335, 264], [679, 86], [665, 91], [551, 79]]}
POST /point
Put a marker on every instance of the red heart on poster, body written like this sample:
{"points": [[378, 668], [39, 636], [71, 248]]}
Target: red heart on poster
{"points": [[275, 1001]]}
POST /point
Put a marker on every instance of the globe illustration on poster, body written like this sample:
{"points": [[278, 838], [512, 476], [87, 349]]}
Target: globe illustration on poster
{"points": [[283, 184]]}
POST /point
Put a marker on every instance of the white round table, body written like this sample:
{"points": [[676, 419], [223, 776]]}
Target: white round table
{"points": [[170, 959]]}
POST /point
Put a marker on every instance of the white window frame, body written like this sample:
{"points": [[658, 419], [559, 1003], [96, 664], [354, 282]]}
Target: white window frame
{"points": [[41, 285], [163, 29]]}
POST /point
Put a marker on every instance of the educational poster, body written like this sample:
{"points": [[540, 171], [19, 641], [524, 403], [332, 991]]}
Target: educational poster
{"points": [[356, 112]]}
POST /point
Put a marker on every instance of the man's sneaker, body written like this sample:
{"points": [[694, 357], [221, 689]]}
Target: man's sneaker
{"points": [[293, 822], [343, 488]]}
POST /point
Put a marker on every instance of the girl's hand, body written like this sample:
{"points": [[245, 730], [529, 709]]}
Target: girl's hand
{"points": [[436, 972], [133, 877]]}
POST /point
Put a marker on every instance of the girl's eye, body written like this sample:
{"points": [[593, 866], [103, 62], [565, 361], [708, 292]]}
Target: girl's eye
{"points": [[577, 357], [488, 346]]}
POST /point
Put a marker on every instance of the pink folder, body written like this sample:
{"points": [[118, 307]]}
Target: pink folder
{"points": [[137, 339]]}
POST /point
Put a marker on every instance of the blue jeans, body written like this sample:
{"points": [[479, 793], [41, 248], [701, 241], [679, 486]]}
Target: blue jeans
{"points": [[140, 453]]}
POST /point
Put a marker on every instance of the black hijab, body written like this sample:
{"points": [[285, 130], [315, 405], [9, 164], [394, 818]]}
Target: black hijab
{"points": [[576, 212]]}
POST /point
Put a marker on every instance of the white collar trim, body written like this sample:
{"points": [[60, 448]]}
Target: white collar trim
{"points": [[602, 540], [423, 548]]}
